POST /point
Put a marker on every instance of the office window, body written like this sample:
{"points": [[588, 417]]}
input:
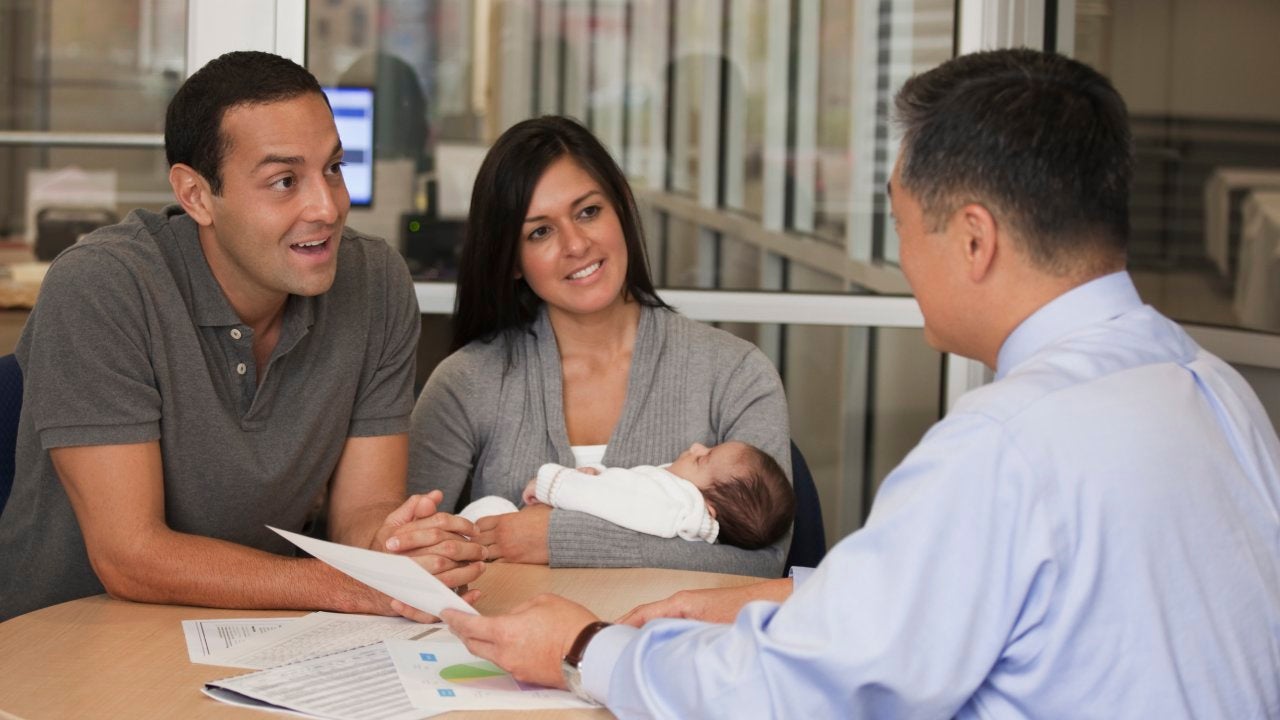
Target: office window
{"points": [[832, 156], [109, 72], [746, 95], [1204, 106], [694, 71]]}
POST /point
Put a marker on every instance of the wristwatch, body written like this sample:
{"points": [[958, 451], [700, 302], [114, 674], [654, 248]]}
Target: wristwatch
{"points": [[571, 665]]}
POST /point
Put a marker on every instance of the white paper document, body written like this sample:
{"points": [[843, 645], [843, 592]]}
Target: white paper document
{"points": [[396, 575], [356, 684], [319, 633], [442, 676], [210, 637]]}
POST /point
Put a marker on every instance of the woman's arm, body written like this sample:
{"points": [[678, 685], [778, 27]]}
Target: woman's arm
{"points": [[580, 540], [443, 440], [751, 407]]}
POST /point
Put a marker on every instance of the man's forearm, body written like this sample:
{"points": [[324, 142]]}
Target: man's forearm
{"points": [[176, 568], [360, 527]]}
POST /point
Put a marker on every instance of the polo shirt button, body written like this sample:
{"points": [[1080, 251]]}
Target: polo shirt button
{"points": [[241, 369], [236, 334]]}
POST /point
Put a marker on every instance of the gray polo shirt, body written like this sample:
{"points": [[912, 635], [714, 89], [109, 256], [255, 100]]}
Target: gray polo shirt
{"points": [[132, 340]]}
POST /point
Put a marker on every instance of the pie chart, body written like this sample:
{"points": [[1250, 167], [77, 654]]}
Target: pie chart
{"points": [[480, 676]]}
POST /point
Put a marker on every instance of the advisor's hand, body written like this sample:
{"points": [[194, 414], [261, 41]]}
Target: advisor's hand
{"points": [[719, 605], [530, 641]]}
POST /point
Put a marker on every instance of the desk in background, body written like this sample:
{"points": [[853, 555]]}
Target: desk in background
{"points": [[1223, 184], [1257, 299], [18, 291], [102, 658]]}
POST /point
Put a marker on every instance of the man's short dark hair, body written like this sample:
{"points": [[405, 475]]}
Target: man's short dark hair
{"points": [[193, 123], [756, 505], [1039, 139]]}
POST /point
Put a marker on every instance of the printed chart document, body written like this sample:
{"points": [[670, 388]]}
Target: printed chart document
{"points": [[396, 575], [443, 676], [356, 684], [210, 637], [319, 633]]}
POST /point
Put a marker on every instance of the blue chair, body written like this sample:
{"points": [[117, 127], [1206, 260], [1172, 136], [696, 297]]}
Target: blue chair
{"points": [[809, 541], [10, 410]]}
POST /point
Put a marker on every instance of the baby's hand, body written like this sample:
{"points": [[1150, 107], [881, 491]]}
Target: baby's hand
{"points": [[530, 495], [589, 471]]}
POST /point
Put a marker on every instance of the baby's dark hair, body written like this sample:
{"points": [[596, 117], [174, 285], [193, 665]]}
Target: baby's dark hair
{"points": [[756, 505]]}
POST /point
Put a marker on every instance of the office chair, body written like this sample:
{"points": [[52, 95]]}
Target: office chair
{"points": [[10, 409], [809, 540]]}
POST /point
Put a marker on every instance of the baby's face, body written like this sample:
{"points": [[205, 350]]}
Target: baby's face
{"points": [[702, 465]]}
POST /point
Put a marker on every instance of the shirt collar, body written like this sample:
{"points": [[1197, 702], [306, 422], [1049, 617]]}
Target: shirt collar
{"points": [[1097, 300], [209, 305]]}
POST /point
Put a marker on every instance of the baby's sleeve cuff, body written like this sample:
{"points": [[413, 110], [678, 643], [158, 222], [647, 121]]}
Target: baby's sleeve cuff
{"points": [[547, 476]]}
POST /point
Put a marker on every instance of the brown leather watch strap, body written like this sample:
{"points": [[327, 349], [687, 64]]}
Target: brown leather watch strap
{"points": [[579, 647]]}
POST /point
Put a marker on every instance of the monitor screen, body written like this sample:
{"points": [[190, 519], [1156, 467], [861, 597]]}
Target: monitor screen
{"points": [[353, 114]]}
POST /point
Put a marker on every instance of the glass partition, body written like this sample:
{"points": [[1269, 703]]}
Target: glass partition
{"points": [[105, 75], [1205, 109]]}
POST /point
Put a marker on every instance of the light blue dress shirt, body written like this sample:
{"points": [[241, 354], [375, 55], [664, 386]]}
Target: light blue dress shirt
{"points": [[1094, 535]]}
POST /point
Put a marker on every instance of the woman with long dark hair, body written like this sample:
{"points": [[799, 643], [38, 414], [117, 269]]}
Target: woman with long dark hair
{"points": [[563, 352]]}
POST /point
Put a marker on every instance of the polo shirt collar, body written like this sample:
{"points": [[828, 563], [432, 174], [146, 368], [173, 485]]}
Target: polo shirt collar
{"points": [[209, 305], [1095, 301]]}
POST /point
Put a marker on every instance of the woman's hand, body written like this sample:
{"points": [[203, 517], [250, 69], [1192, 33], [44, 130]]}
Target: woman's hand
{"points": [[516, 537]]}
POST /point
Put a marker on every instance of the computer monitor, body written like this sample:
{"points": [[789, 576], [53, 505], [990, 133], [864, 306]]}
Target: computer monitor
{"points": [[353, 114]]}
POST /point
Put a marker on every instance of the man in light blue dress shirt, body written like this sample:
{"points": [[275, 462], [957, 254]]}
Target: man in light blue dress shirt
{"points": [[1096, 534]]}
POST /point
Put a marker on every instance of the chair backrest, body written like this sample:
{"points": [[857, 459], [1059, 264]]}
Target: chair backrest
{"points": [[10, 410], [809, 541]]}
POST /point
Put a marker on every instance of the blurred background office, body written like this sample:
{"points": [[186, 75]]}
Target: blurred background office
{"points": [[754, 131]]}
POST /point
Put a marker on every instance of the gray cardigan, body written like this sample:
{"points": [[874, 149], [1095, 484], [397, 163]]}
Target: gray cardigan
{"points": [[689, 383]]}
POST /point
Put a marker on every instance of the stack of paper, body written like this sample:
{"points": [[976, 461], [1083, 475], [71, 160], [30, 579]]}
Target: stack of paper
{"points": [[338, 666]]}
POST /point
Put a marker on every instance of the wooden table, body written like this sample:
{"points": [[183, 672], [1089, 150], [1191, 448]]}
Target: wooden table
{"points": [[104, 658]]}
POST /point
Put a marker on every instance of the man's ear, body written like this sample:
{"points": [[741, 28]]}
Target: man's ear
{"points": [[193, 193], [981, 236]]}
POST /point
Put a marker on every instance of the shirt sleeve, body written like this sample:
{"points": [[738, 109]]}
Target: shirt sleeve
{"points": [[386, 397], [85, 355], [903, 619]]}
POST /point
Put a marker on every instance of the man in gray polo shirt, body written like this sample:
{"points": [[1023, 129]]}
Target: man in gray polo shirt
{"points": [[197, 374]]}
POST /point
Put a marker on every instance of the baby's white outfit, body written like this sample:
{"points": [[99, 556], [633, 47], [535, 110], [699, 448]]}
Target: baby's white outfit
{"points": [[644, 498]]}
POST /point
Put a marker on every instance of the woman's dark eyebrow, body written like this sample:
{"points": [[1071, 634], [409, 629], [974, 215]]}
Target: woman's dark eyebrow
{"points": [[540, 218]]}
